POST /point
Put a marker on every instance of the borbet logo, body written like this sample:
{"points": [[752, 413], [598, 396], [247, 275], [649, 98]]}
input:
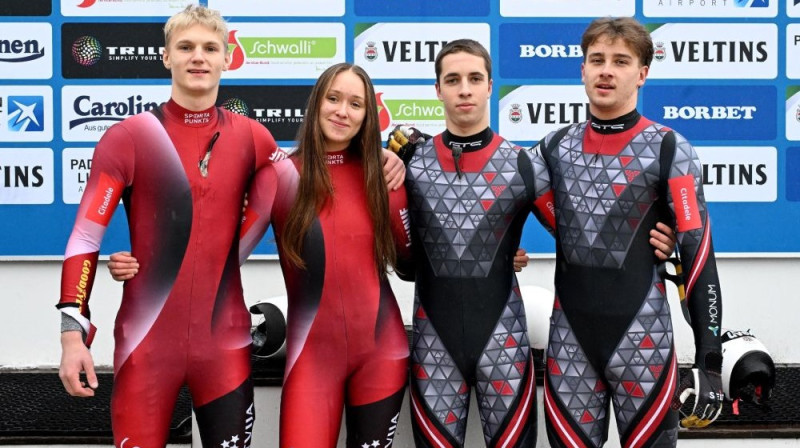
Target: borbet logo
{"points": [[109, 111], [384, 117], [720, 51], [709, 113], [412, 51], [20, 51], [550, 51]]}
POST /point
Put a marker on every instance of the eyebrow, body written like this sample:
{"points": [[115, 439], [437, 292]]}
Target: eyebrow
{"points": [[476, 73], [189, 41], [337, 92], [615, 55]]}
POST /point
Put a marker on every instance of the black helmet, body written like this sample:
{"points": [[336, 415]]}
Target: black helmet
{"points": [[270, 334], [748, 371]]}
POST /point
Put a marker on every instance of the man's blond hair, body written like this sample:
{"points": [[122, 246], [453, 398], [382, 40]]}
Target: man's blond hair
{"points": [[197, 15]]}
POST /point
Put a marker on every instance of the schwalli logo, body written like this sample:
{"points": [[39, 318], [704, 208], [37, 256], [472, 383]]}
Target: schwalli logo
{"points": [[793, 51], [528, 113], [138, 8], [739, 174], [415, 106], [408, 50], [26, 114], [279, 8], [88, 111], [280, 108], [283, 50], [76, 164], [27, 8], [26, 51], [792, 118], [26, 176], [567, 8], [714, 50], [112, 50], [714, 112], [424, 8], [542, 50], [710, 8]]}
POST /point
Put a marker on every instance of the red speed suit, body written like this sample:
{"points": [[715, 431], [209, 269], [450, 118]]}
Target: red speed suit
{"points": [[182, 319], [346, 344]]}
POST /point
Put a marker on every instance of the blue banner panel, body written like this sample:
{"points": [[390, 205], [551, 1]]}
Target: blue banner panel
{"points": [[793, 174], [422, 8], [730, 113], [541, 50]]}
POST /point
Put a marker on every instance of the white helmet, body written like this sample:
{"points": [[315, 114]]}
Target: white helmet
{"points": [[269, 335], [538, 308], [748, 371]]}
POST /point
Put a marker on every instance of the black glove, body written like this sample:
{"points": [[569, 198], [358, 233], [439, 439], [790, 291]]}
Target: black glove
{"points": [[705, 383], [404, 140]]}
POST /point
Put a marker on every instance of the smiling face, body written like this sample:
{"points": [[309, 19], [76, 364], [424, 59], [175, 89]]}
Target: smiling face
{"points": [[342, 110], [464, 87], [196, 57], [612, 74]]}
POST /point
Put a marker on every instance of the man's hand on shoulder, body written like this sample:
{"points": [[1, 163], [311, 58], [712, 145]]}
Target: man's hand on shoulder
{"points": [[122, 266]]}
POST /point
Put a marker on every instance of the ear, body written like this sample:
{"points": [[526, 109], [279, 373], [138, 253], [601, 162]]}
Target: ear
{"points": [[165, 59], [643, 72], [228, 59], [491, 83], [583, 73], [438, 91]]}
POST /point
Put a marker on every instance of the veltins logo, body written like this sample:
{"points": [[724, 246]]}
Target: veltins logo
{"points": [[288, 51], [408, 50], [740, 173], [716, 50], [532, 111], [26, 176], [86, 50], [25, 113]]}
